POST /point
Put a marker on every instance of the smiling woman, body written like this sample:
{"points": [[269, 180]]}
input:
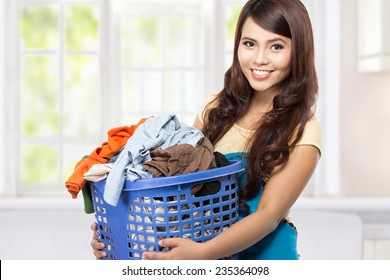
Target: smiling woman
{"points": [[263, 116]]}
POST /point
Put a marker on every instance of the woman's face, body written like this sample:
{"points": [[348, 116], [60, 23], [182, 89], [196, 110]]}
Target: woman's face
{"points": [[264, 57]]}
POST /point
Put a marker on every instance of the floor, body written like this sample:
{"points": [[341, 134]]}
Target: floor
{"points": [[45, 234], [55, 231]]}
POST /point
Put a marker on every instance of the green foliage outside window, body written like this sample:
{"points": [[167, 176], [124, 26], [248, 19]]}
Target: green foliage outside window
{"points": [[82, 27], [39, 27], [59, 82]]}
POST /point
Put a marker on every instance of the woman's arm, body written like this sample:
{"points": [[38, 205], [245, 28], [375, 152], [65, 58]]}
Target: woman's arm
{"points": [[282, 190]]}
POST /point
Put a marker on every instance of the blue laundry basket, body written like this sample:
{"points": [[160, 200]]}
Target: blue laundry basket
{"points": [[152, 209]]}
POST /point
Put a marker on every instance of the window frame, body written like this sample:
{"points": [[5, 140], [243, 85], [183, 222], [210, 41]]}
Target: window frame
{"points": [[12, 186], [10, 85]]}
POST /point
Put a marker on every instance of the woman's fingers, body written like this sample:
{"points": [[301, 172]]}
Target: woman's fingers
{"points": [[96, 245]]}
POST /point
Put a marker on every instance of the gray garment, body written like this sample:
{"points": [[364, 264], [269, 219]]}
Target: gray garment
{"points": [[155, 133]]}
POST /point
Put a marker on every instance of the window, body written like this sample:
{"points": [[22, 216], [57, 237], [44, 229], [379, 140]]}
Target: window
{"points": [[85, 67], [161, 58], [75, 69], [59, 89]]}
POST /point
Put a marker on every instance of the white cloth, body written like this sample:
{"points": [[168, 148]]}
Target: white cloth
{"points": [[98, 172]]}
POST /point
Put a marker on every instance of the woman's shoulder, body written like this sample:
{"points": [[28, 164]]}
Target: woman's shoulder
{"points": [[312, 133]]}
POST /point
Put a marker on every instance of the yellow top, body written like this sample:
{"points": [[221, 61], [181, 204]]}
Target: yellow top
{"points": [[236, 138]]}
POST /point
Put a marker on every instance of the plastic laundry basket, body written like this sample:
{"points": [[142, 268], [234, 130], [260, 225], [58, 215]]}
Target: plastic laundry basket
{"points": [[152, 209]]}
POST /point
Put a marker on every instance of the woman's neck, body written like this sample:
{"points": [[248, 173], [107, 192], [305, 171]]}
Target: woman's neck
{"points": [[260, 105]]}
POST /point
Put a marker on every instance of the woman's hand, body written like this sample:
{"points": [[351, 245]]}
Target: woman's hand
{"points": [[96, 245], [182, 249]]}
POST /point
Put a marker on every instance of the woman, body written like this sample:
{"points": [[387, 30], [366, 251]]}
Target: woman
{"points": [[264, 116]]}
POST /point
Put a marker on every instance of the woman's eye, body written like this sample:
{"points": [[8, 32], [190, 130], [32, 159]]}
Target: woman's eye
{"points": [[249, 44], [276, 47]]}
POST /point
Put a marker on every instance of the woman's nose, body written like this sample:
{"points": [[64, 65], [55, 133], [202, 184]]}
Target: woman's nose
{"points": [[261, 57]]}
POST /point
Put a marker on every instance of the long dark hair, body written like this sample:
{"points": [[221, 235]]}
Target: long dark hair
{"points": [[281, 128]]}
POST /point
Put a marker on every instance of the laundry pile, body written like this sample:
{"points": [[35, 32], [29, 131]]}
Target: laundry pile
{"points": [[155, 147]]}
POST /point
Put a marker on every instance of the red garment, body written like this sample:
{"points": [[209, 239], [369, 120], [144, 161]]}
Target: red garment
{"points": [[117, 138]]}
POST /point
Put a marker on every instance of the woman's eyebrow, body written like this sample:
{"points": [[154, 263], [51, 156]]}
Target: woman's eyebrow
{"points": [[277, 40], [248, 38]]}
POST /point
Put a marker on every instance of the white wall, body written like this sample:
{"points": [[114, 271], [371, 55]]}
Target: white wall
{"points": [[2, 88], [364, 118]]}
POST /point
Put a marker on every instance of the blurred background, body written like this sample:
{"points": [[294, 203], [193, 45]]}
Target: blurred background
{"points": [[71, 70]]}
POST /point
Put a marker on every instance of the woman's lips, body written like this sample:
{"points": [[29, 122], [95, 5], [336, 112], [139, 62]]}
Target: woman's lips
{"points": [[261, 74]]}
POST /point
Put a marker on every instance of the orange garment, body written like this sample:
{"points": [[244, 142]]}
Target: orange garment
{"points": [[117, 138]]}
